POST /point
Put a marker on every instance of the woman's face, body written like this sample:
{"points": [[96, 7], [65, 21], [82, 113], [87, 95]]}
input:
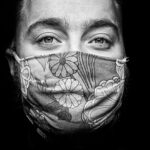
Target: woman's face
{"points": [[74, 89], [53, 26]]}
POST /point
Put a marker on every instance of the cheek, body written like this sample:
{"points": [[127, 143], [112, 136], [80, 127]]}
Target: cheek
{"points": [[24, 50], [117, 52], [27, 49]]}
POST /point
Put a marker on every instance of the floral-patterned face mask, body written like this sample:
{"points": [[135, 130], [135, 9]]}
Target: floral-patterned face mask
{"points": [[70, 91]]}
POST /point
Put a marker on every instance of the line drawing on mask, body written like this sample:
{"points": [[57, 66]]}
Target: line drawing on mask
{"points": [[71, 90]]}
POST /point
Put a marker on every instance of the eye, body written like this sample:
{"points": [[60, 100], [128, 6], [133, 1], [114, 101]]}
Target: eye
{"points": [[100, 43], [48, 40]]}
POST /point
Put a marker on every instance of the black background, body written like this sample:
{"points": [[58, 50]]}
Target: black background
{"points": [[129, 131]]}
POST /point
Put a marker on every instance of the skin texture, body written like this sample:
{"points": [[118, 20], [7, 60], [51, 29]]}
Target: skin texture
{"points": [[75, 33]]}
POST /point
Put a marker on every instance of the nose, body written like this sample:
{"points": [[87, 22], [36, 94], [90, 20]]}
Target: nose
{"points": [[74, 41]]}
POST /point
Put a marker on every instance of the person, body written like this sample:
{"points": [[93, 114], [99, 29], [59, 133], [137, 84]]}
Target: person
{"points": [[69, 62]]}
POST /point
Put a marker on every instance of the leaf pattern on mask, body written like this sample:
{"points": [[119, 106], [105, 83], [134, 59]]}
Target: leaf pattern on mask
{"points": [[58, 110], [120, 65], [61, 79], [106, 97], [87, 71], [64, 64], [106, 87], [38, 118]]}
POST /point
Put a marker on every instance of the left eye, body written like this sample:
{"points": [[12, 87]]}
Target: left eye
{"points": [[100, 42]]}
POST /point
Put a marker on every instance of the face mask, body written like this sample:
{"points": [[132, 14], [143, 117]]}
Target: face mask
{"points": [[71, 91]]}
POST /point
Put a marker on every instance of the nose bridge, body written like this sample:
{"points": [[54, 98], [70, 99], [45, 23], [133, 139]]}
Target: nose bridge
{"points": [[74, 41]]}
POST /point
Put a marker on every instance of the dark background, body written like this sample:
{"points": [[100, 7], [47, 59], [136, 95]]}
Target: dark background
{"points": [[128, 132]]}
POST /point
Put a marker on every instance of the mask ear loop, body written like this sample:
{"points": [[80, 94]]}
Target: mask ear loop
{"points": [[12, 53], [124, 60], [16, 57]]}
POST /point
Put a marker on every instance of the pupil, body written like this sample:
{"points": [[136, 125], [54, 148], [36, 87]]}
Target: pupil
{"points": [[48, 39], [100, 40]]}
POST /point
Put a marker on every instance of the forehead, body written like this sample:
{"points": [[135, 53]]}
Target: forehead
{"points": [[75, 11]]}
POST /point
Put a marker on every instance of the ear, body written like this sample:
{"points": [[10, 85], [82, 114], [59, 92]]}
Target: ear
{"points": [[11, 61]]}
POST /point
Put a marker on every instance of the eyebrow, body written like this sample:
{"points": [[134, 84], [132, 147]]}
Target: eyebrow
{"points": [[56, 23], [102, 23], [63, 25]]}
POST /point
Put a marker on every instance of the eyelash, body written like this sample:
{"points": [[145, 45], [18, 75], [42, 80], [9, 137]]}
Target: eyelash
{"points": [[103, 43], [99, 42], [52, 38]]}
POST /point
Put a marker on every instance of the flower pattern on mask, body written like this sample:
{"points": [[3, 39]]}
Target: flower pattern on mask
{"points": [[64, 64], [25, 79], [69, 93], [74, 89]]}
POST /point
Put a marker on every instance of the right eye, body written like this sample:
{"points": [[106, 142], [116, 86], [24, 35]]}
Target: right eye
{"points": [[48, 41]]}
